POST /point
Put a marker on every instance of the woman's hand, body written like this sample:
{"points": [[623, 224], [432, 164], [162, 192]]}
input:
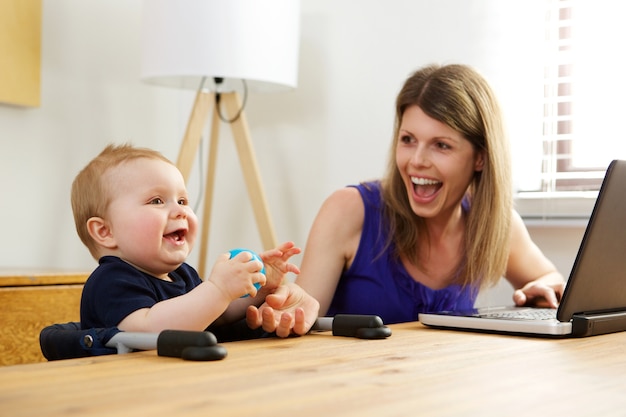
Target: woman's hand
{"points": [[543, 292], [289, 310]]}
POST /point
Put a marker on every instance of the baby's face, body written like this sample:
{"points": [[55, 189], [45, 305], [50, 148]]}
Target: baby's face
{"points": [[153, 226]]}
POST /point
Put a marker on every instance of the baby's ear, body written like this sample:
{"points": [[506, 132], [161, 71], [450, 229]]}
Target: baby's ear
{"points": [[100, 232]]}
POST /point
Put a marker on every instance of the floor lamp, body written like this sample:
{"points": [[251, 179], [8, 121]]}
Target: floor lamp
{"points": [[219, 48]]}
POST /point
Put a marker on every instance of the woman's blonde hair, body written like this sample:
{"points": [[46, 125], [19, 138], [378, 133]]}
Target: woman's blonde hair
{"points": [[459, 97], [90, 195]]}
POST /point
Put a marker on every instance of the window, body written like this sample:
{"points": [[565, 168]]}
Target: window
{"points": [[584, 104]]}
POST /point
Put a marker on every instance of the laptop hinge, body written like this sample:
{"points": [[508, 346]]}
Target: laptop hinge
{"points": [[592, 324]]}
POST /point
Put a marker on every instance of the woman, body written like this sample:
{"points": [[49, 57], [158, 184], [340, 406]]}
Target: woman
{"points": [[437, 228]]}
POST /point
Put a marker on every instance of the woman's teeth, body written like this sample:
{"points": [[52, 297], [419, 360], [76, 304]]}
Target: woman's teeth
{"points": [[423, 181]]}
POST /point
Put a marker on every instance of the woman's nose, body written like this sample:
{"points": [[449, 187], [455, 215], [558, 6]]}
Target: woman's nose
{"points": [[420, 156]]}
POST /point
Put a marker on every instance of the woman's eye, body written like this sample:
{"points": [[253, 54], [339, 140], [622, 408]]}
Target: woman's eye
{"points": [[443, 145], [406, 139]]}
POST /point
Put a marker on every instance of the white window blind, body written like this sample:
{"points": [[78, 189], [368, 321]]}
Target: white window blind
{"points": [[584, 105]]}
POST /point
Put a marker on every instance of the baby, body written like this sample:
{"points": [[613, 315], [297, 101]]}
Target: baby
{"points": [[131, 210]]}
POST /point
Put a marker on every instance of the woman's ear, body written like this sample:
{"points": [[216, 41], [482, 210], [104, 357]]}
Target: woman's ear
{"points": [[100, 232], [479, 164]]}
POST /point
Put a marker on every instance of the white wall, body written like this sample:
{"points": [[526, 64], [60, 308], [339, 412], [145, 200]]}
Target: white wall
{"points": [[334, 129]]}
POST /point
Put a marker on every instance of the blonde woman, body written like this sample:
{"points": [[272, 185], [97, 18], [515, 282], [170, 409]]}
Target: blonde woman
{"points": [[437, 227]]}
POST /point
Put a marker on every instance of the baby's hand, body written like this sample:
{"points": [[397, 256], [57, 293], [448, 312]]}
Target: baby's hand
{"points": [[236, 276], [276, 265]]}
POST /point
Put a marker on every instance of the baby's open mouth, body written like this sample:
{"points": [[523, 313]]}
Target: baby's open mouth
{"points": [[176, 235]]}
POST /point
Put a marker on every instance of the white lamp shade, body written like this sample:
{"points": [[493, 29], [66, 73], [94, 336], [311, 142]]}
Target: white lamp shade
{"points": [[255, 40]]}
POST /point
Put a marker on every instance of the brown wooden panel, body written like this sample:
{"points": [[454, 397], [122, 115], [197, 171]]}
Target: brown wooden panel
{"points": [[20, 278], [24, 311]]}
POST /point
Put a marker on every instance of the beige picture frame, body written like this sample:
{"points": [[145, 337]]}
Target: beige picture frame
{"points": [[20, 52]]}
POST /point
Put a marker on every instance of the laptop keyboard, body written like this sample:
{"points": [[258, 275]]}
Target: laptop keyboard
{"points": [[523, 314]]}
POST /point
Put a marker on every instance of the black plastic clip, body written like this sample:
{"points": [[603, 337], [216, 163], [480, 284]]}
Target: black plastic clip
{"points": [[189, 345], [354, 325]]}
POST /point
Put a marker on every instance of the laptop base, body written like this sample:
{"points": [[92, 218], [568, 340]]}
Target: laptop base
{"points": [[584, 325], [549, 336]]}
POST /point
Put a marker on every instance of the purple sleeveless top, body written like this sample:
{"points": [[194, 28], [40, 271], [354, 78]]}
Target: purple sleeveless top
{"points": [[377, 283]]}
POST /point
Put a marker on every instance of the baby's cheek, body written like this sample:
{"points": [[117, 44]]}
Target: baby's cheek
{"points": [[192, 223]]}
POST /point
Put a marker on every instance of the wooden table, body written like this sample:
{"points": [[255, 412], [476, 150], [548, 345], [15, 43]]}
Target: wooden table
{"points": [[29, 301], [417, 371]]}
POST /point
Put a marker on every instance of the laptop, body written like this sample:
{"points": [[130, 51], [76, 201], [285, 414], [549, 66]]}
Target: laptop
{"points": [[594, 300]]}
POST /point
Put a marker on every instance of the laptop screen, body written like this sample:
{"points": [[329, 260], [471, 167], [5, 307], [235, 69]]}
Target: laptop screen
{"points": [[597, 282]]}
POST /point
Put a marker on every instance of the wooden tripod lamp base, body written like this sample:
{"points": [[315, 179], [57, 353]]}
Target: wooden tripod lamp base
{"points": [[241, 135]]}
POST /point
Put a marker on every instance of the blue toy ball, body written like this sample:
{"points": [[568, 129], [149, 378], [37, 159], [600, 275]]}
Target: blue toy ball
{"points": [[255, 257]]}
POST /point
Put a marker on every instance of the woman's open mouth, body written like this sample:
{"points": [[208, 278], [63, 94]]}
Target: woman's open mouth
{"points": [[425, 187]]}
